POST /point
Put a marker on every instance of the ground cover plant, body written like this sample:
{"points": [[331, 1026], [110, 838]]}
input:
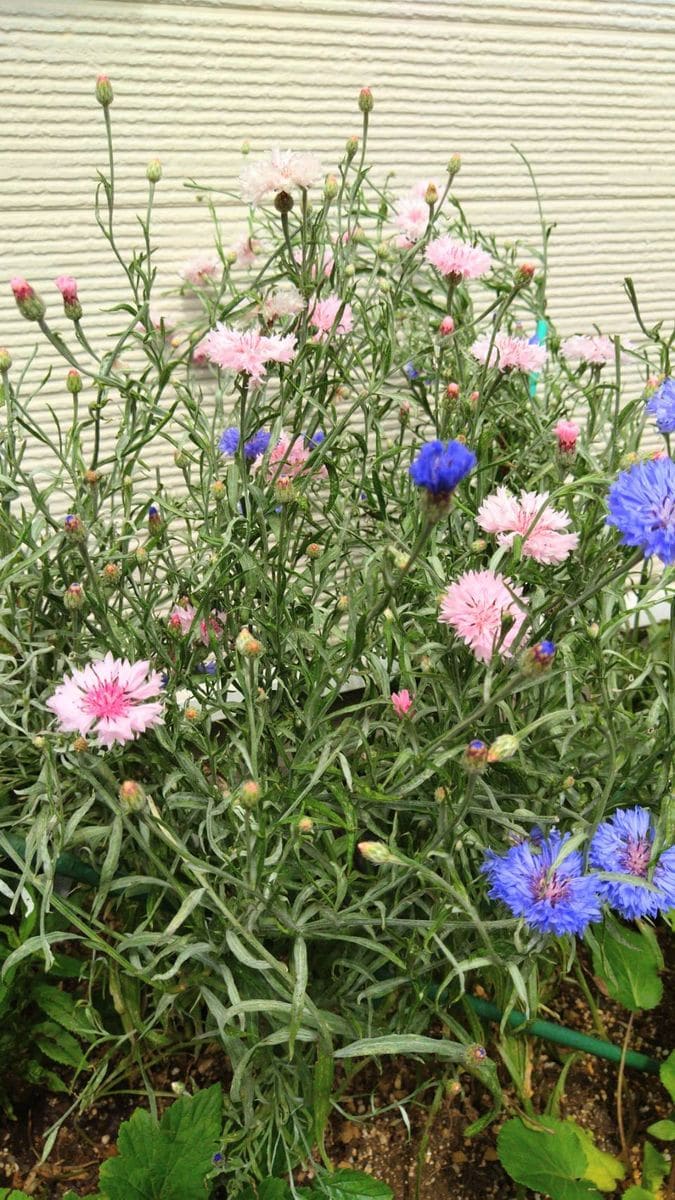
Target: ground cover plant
{"points": [[335, 682]]}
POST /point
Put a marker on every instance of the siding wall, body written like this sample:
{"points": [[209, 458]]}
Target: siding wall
{"points": [[585, 88]]}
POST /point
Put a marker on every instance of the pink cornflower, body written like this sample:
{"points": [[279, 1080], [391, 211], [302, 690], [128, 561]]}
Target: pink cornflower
{"points": [[200, 355], [288, 459], [476, 605], [247, 352], [401, 702], [285, 302], [109, 697], [323, 313], [201, 268], [458, 259], [247, 250], [156, 318], [278, 171], [566, 433], [597, 349], [326, 265], [182, 620], [533, 519], [509, 353], [67, 286]]}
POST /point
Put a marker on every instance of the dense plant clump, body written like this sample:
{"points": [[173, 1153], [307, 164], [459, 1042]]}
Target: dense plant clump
{"points": [[330, 687]]}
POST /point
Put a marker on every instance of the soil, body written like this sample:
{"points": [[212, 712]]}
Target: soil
{"points": [[383, 1125]]}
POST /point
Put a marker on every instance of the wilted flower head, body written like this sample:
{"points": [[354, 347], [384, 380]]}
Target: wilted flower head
{"points": [[458, 259], [530, 517], [109, 697], [247, 352], [552, 897], [596, 349], [661, 405], [483, 609], [509, 353], [623, 845], [278, 171], [641, 505], [323, 314]]}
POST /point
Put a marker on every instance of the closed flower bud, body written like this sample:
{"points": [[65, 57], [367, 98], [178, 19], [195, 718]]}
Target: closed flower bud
{"points": [[503, 747], [593, 629], [350, 271], [378, 853], [474, 397], [248, 645], [538, 658], [475, 1054], [283, 202], [330, 187], [5, 360], [568, 782], [314, 550], [29, 303], [154, 519], [192, 713], [218, 489], [452, 391], [39, 742], [74, 597], [431, 194], [343, 603], [366, 102], [180, 458], [382, 250], [80, 745], [426, 663], [92, 478], [440, 795], [250, 793], [111, 574], [284, 490], [404, 411], [446, 326], [476, 755], [305, 825], [351, 146], [478, 545], [104, 92], [525, 272], [74, 528], [153, 171], [454, 166], [67, 286], [141, 555], [74, 382], [131, 795]]}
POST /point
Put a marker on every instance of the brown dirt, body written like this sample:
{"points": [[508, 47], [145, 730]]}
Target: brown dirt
{"points": [[382, 1126]]}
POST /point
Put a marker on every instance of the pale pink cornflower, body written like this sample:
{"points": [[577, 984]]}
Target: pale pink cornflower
{"points": [[278, 171], [182, 619], [566, 433], [201, 269], [401, 702], [596, 349], [323, 313], [326, 265], [509, 353], [247, 249], [289, 459], [200, 355], [475, 607], [535, 521], [458, 259], [412, 218], [285, 302], [67, 286], [157, 317], [247, 352], [109, 697]]}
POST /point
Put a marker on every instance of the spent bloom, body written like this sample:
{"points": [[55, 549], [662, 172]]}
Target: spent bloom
{"points": [[247, 352], [253, 448], [401, 702], [245, 250], [551, 896], [596, 349], [509, 353], [530, 517], [200, 269], [566, 433], [323, 315], [485, 610], [278, 171], [284, 302], [661, 405], [641, 504], [112, 697], [458, 259], [623, 845]]}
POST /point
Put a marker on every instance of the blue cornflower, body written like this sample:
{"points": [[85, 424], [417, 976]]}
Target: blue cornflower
{"points": [[624, 845], [207, 668], [641, 504], [255, 446], [662, 406], [410, 371], [440, 468], [550, 896], [315, 439]]}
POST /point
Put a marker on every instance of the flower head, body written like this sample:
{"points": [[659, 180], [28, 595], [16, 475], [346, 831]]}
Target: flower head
{"points": [[289, 459], [324, 313], [661, 405], [509, 353], [109, 697], [412, 214], [284, 302], [401, 702], [551, 896], [596, 349], [440, 467], [278, 171], [566, 433], [253, 448], [458, 259], [623, 845], [530, 517], [485, 610], [641, 505], [200, 269], [246, 352]]}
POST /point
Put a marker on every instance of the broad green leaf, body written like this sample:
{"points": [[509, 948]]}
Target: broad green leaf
{"points": [[549, 1159], [663, 1130], [604, 1170], [167, 1161], [60, 1007], [667, 1074], [628, 961], [638, 1193], [57, 1044], [355, 1185], [13, 1194], [655, 1167]]}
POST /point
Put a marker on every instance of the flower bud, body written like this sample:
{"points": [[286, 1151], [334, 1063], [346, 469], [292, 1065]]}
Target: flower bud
{"points": [[454, 166], [250, 793], [366, 102], [568, 782], [343, 603], [74, 382], [283, 202], [476, 755], [92, 478], [305, 825], [330, 187], [218, 489], [153, 171], [131, 795], [191, 713], [525, 272], [111, 574], [431, 194], [382, 250], [350, 271], [351, 146], [314, 550], [141, 555], [180, 458], [154, 519], [104, 92], [247, 645], [29, 303], [74, 597], [284, 490], [478, 545], [503, 747], [378, 853], [475, 1054], [452, 391], [39, 741], [5, 360], [474, 397], [446, 326], [593, 630], [440, 795], [80, 745], [426, 663], [566, 433], [538, 658], [74, 528], [245, 147], [67, 286]]}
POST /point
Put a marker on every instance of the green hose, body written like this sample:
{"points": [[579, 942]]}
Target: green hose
{"points": [[565, 1037]]}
